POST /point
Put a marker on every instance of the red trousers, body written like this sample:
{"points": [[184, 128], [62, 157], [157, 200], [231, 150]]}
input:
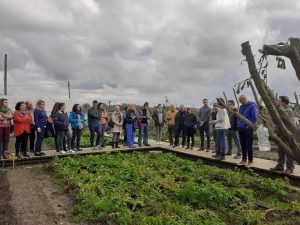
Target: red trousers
{"points": [[4, 137]]}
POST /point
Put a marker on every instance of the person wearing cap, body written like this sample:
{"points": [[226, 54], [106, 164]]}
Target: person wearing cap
{"points": [[94, 125], [170, 118], [282, 157], [222, 124], [144, 116], [204, 117], [180, 128], [247, 110]]}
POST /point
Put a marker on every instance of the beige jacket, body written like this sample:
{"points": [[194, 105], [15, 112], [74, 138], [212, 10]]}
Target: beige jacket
{"points": [[118, 123]]}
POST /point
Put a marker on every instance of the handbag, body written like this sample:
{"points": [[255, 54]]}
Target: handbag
{"points": [[137, 123], [111, 124]]}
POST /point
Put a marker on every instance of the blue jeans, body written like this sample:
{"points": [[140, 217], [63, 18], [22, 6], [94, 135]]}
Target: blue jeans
{"points": [[221, 141], [204, 129], [130, 134], [246, 139], [94, 127], [143, 134]]}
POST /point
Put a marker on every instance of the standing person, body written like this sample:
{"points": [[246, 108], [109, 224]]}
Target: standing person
{"points": [[22, 122], [204, 117], [117, 119], [170, 117], [54, 110], [214, 131], [233, 131], [6, 116], [40, 122], [222, 124], [124, 126], [76, 120], [61, 126], [103, 122], [29, 108], [179, 124], [144, 116], [94, 125], [159, 118], [129, 119], [282, 157], [190, 123], [247, 110]]}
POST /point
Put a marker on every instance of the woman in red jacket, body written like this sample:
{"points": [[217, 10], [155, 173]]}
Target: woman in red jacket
{"points": [[22, 121]]}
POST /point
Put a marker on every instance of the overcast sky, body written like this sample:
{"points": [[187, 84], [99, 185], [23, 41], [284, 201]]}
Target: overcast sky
{"points": [[140, 50]]}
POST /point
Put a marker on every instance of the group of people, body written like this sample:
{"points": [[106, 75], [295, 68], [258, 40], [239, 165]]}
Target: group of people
{"points": [[220, 121]]}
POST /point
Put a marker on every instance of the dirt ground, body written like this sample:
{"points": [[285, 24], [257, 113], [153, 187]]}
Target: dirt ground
{"points": [[29, 197]]}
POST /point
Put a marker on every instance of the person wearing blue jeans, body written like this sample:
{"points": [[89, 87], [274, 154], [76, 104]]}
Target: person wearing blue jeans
{"points": [[129, 119], [144, 116], [204, 117], [40, 121], [247, 110], [94, 125], [222, 124]]}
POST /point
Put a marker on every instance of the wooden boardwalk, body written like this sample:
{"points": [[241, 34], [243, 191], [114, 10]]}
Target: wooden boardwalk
{"points": [[259, 164]]}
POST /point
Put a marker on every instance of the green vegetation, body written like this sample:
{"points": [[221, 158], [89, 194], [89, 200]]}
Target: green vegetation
{"points": [[142, 188]]}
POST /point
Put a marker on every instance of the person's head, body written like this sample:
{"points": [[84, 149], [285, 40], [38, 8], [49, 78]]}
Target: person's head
{"points": [[76, 108], [220, 102], [20, 106], [215, 107], [133, 107], [95, 103], [172, 107], [159, 107], [146, 105], [189, 110], [40, 104], [126, 108], [205, 102], [181, 108], [284, 101], [117, 108], [29, 105], [101, 106], [231, 104], [243, 100], [61, 106], [4, 102]]}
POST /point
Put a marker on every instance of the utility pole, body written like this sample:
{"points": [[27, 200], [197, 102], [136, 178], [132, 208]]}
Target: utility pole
{"points": [[69, 89], [5, 74]]}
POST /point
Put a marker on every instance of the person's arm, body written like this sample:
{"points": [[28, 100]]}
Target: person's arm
{"points": [[36, 119], [10, 115], [72, 118], [253, 114], [17, 118], [221, 116]]}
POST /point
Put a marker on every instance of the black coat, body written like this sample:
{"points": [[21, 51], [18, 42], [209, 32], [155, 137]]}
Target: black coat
{"points": [[190, 120]]}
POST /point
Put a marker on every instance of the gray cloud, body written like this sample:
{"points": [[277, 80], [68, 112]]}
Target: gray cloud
{"points": [[127, 51]]}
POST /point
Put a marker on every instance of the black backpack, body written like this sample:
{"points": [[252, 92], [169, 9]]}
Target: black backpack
{"points": [[111, 124]]}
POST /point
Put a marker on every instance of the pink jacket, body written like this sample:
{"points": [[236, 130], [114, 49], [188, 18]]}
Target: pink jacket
{"points": [[104, 117]]}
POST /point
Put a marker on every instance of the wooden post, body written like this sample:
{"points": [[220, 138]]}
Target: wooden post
{"points": [[69, 89], [236, 98], [5, 75], [296, 97], [225, 97]]}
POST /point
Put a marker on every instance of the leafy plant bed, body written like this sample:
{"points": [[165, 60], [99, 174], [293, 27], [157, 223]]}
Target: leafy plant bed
{"points": [[142, 188]]}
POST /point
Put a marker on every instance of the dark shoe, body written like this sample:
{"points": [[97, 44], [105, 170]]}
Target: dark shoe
{"points": [[250, 163], [243, 163], [43, 153], [220, 157], [102, 146], [147, 145], [78, 149], [277, 168], [18, 156], [208, 150], [215, 155], [288, 171], [228, 153], [26, 155], [5, 155], [132, 146], [140, 145]]}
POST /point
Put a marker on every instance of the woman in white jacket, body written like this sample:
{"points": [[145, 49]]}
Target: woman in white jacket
{"points": [[222, 124], [117, 119]]}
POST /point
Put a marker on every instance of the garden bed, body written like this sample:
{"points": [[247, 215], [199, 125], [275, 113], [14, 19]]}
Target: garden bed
{"points": [[142, 188]]}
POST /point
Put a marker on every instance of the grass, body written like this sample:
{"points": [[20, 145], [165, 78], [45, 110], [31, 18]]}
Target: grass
{"points": [[163, 189]]}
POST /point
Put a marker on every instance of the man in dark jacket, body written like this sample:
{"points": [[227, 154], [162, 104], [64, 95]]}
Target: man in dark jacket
{"points": [[190, 122], [282, 157], [233, 131], [94, 125], [180, 128], [204, 117], [247, 110]]}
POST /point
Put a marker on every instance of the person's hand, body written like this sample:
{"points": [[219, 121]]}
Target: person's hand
{"points": [[201, 123], [213, 122], [38, 130]]}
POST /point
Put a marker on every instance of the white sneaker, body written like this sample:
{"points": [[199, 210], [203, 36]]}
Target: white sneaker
{"points": [[62, 152], [71, 151], [157, 143]]}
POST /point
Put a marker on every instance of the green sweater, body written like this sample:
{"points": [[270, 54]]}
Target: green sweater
{"points": [[94, 115]]}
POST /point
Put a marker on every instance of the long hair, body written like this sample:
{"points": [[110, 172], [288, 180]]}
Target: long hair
{"points": [[54, 109], [74, 109]]}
